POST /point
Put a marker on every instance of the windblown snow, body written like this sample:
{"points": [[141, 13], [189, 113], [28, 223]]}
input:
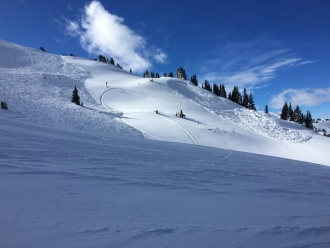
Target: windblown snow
{"points": [[116, 174]]}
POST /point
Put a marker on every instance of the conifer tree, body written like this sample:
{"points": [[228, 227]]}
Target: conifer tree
{"points": [[245, 102], [207, 86], [181, 73], [75, 96], [157, 75], [298, 116], [146, 74], [193, 79], [285, 112], [222, 91], [216, 89], [152, 74], [230, 96], [266, 109], [236, 96], [112, 62], [171, 74], [291, 118], [165, 74], [251, 105], [130, 70], [309, 120]]}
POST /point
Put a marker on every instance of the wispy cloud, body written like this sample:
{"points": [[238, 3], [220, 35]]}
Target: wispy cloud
{"points": [[252, 77], [304, 97], [249, 64], [101, 32]]}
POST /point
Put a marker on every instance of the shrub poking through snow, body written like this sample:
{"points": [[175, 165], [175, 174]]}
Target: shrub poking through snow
{"points": [[181, 114], [4, 105]]}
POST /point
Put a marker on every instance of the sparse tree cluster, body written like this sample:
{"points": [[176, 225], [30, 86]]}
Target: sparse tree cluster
{"points": [[152, 74], [296, 115]]}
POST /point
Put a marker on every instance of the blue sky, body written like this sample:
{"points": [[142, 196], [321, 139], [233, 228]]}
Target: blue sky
{"points": [[279, 50]]}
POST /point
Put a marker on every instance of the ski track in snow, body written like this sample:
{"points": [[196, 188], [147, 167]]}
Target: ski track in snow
{"points": [[180, 127]]}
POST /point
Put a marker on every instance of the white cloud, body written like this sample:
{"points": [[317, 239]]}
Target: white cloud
{"points": [[101, 32], [160, 57], [302, 97]]}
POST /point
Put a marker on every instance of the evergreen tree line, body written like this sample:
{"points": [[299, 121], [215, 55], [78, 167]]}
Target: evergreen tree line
{"points": [[103, 59], [296, 115], [152, 74], [246, 100]]}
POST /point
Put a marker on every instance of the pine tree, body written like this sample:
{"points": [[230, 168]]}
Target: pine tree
{"points": [[193, 79], [266, 109], [112, 62], [298, 115], [130, 70], [245, 102], [216, 89], [222, 91], [165, 74], [309, 120], [230, 96], [291, 117], [118, 65], [285, 112], [207, 86], [252, 106], [146, 74], [157, 75], [171, 74], [181, 73], [75, 96], [152, 74], [236, 96]]}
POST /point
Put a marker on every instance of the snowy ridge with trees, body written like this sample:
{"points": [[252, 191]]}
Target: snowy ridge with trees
{"points": [[126, 170]]}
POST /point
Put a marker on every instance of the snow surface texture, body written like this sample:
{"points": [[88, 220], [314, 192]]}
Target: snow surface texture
{"points": [[85, 177], [64, 188]]}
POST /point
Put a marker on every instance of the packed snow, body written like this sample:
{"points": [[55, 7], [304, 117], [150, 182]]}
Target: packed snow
{"points": [[116, 174]]}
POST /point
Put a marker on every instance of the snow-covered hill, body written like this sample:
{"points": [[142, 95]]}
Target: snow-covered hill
{"points": [[88, 177], [126, 107]]}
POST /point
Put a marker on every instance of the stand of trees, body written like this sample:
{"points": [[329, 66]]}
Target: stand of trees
{"points": [[296, 115]]}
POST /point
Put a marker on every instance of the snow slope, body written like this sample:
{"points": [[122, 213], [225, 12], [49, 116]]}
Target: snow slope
{"points": [[126, 107], [66, 188], [211, 120], [87, 177]]}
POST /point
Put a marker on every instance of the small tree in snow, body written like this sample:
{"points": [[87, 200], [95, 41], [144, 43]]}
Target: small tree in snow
{"points": [[75, 96]]}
